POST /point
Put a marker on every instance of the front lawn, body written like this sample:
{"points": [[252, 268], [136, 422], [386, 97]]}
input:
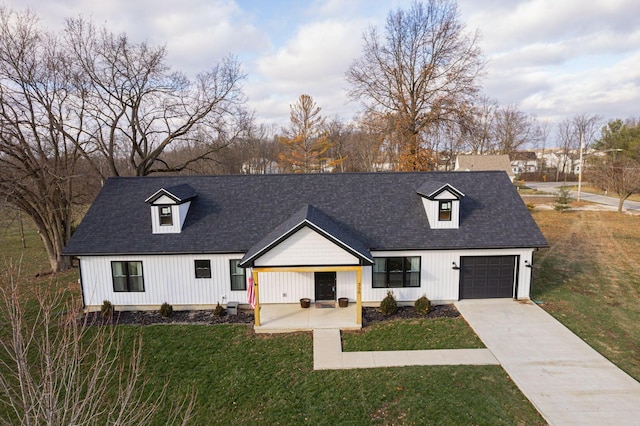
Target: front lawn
{"points": [[244, 378], [417, 334]]}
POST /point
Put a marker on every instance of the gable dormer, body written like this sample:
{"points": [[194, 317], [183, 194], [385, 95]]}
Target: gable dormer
{"points": [[441, 203], [169, 208]]}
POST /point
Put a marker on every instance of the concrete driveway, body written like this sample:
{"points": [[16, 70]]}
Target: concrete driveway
{"points": [[565, 379]]}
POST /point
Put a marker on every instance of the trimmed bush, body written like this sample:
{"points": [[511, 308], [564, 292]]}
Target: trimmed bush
{"points": [[389, 306], [218, 311], [166, 310], [422, 306], [106, 309]]}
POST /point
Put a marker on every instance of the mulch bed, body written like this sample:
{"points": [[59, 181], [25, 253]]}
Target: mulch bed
{"points": [[372, 315], [369, 316]]}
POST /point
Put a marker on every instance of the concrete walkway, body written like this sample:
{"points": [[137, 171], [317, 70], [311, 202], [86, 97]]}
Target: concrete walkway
{"points": [[566, 380], [328, 355]]}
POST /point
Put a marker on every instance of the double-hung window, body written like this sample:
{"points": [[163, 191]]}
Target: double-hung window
{"points": [[238, 277], [444, 213], [203, 268], [127, 276], [396, 272], [166, 218]]}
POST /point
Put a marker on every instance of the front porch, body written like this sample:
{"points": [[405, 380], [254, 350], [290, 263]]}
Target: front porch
{"points": [[290, 317]]}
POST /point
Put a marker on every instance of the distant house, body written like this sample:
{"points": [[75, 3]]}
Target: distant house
{"points": [[523, 162], [194, 241], [471, 163]]}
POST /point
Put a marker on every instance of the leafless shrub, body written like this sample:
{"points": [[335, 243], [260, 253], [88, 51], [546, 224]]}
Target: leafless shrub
{"points": [[58, 371]]}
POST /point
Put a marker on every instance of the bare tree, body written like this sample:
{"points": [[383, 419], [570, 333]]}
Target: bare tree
{"points": [[513, 129], [57, 370], [481, 130], [37, 159], [365, 144], [90, 100], [134, 108], [421, 70]]}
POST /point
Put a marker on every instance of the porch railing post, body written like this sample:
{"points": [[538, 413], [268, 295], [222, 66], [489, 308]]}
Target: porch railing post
{"points": [[359, 295], [256, 310]]}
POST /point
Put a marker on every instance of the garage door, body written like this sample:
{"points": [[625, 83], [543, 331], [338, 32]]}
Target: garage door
{"points": [[483, 277]]}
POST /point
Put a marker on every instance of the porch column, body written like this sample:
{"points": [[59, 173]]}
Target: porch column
{"points": [[256, 310], [359, 295]]}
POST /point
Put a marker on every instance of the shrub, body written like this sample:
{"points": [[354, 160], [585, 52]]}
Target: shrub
{"points": [[166, 310], [218, 311], [388, 306], [106, 309], [422, 306]]}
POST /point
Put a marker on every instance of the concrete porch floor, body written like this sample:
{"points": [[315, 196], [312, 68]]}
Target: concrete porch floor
{"points": [[286, 318]]}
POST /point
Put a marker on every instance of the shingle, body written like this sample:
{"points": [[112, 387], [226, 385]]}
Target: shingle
{"points": [[179, 193], [231, 214], [317, 220]]}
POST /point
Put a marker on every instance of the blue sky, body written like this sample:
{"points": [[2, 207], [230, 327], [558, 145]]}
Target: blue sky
{"points": [[551, 58]]}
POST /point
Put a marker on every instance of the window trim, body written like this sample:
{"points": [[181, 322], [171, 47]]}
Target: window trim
{"points": [[445, 211], [233, 265], [206, 270], [164, 217], [127, 275], [406, 273]]}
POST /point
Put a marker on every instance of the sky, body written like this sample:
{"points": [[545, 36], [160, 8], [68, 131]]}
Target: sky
{"points": [[550, 58]]}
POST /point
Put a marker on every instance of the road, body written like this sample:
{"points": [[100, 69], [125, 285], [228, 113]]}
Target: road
{"points": [[552, 187]]}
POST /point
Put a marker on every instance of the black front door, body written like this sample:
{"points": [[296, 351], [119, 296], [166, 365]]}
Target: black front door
{"points": [[325, 285]]}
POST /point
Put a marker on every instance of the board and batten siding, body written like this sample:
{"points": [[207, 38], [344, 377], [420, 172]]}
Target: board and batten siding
{"points": [[306, 247], [171, 279], [167, 278], [438, 280]]}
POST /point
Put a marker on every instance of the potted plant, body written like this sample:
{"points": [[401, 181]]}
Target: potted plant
{"points": [[305, 302], [343, 302]]}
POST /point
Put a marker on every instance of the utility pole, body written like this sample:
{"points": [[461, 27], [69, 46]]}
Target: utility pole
{"points": [[580, 170]]}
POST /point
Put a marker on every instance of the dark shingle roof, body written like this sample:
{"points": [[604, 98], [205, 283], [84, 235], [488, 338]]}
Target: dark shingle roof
{"points": [[320, 222], [430, 189], [233, 214], [179, 193]]}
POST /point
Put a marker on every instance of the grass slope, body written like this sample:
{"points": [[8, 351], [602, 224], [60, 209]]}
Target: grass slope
{"points": [[590, 281]]}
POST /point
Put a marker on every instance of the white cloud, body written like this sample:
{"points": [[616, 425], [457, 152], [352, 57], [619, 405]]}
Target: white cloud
{"points": [[314, 62]]}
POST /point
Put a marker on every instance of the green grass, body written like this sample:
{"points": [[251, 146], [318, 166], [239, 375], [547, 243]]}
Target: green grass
{"points": [[244, 378], [420, 334], [590, 281]]}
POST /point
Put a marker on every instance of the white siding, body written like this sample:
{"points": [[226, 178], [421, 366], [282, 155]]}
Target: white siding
{"points": [[178, 213], [168, 279], [306, 247], [286, 287], [175, 228], [438, 280], [172, 279], [163, 199], [432, 208], [183, 209]]}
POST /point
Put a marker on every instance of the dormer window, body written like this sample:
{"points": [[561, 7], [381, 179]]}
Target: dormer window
{"points": [[169, 208], [166, 218], [444, 213], [441, 203]]}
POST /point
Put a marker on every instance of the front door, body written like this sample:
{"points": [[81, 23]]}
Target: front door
{"points": [[325, 285]]}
